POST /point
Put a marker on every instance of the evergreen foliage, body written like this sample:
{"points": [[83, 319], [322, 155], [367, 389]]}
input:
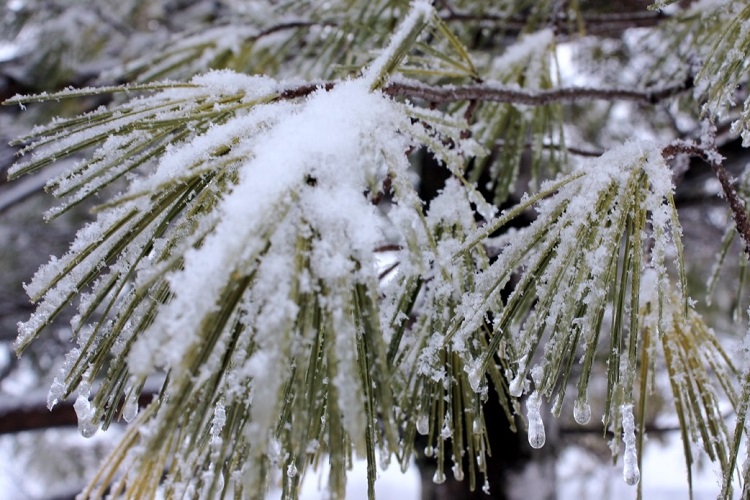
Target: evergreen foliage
{"points": [[261, 243]]}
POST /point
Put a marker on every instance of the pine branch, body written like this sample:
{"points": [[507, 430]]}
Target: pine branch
{"points": [[714, 159], [593, 24], [495, 93]]}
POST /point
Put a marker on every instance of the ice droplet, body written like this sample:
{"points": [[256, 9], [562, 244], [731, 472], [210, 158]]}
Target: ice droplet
{"points": [[423, 424], [291, 470], [630, 471], [429, 451], [130, 409], [476, 376], [458, 473], [439, 477], [516, 386], [85, 415], [446, 431], [87, 428], [486, 487], [582, 411], [537, 436]]}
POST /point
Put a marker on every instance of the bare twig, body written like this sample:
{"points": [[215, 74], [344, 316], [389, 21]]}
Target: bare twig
{"points": [[593, 24], [496, 93], [714, 159]]}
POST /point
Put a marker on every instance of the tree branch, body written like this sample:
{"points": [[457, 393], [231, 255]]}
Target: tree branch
{"points": [[593, 24], [32, 415], [510, 95], [714, 159]]}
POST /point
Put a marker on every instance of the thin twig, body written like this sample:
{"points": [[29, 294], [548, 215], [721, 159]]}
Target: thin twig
{"points": [[714, 159], [489, 92], [594, 24], [496, 93]]}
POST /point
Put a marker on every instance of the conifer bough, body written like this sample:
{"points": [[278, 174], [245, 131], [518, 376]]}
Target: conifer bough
{"points": [[242, 264]]}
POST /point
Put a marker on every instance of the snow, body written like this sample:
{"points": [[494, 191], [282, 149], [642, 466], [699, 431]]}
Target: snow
{"points": [[301, 170]]}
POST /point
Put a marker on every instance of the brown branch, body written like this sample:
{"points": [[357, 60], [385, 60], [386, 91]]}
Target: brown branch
{"points": [[33, 415], [496, 93], [36, 417], [714, 159], [593, 24]]}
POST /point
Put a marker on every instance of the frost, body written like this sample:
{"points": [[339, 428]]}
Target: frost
{"points": [[58, 388], [219, 420]]}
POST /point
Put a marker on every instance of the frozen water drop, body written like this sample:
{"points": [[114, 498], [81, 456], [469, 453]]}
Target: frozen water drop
{"points": [[630, 471], [423, 424], [439, 477], [582, 411], [516, 386], [458, 473], [476, 376], [631, 474], [429, 451], [87, 428], [537, 436], [291, 470], [486, 487], [85, 415], [446, 431], [130, 409]]}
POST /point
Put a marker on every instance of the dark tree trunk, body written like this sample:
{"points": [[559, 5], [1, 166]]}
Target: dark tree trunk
{"points": [[515, 469]]}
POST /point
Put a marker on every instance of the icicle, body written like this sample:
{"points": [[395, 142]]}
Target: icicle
{"points": [[537, 436], [582, 411], [630, 467]]}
